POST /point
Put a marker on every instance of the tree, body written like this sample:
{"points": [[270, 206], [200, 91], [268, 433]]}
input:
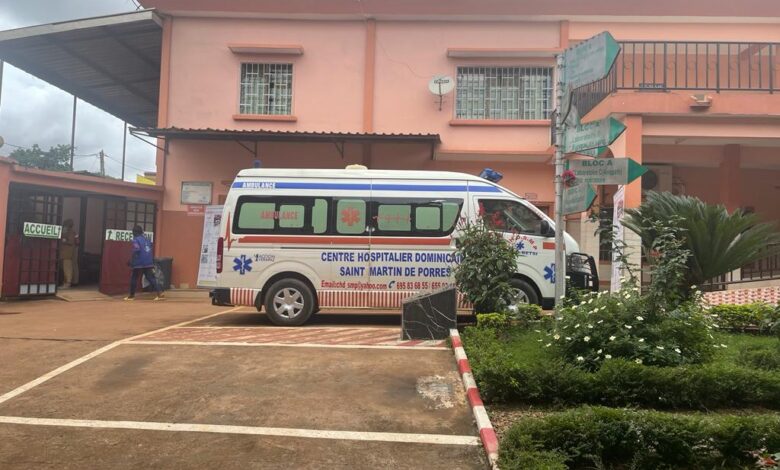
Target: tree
{"points": [[57, 158], [718, 242]]}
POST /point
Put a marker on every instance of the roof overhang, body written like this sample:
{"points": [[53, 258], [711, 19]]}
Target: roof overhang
{"points": [[282, 136], [112, 62]]}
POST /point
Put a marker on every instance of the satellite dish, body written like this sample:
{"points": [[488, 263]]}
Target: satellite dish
{"points": [[441, 85]]}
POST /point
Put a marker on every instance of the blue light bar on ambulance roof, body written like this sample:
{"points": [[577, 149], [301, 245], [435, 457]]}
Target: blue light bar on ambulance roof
{"points": [[491, 175]]}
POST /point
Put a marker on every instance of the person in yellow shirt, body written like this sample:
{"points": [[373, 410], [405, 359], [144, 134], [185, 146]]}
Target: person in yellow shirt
{"points": [[69, 254]]}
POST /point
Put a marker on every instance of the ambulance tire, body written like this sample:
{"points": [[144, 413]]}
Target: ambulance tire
{"points": [[527, 292], [289, 302]]}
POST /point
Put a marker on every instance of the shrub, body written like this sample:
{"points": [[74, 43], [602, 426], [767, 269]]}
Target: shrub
{"points": [[487, 262], [623, 325], [741, 317], [614, 438], [497, 321], [760, 357], [525, 314], [548, 380]]}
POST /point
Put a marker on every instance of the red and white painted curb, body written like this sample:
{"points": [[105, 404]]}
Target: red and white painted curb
{"points": [[486, 432]]}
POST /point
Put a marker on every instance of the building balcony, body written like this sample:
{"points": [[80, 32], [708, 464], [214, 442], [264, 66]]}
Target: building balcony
{"points": [[697, 66]]}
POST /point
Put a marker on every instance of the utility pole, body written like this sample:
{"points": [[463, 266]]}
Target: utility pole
{"points": [[124, 150], [73, 133], [560, 252], [102, 163], [2, 66]]}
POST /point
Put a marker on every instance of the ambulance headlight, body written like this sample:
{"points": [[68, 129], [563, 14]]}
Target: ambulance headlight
{"points": [[491, 175]]}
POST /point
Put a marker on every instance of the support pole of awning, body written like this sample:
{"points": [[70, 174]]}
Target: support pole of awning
{"points": [[73, 133], [124, 150]]}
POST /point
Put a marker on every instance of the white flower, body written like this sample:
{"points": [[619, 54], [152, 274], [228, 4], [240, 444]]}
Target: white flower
{"points": [[693, 287], [641, 340], [557, 337], [590, 301], [577, 325], [537, 331], [659, 348], [628, 327], [607, 356], [612, 338], [539, 340], [586, 339], [590, 327], [677, 350], [635, 289], [638, 361], [600, 322], [562, 297], [639, 317], [723, 345], [548, 345], [603, 308], [568, 338], [599, 351], [580, 358], [715, 346]]}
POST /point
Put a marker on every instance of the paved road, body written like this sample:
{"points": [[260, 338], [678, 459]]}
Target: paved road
{"points": [[157, 385]]}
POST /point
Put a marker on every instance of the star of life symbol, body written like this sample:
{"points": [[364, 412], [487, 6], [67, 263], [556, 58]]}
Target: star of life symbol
{"points": [[350, 216], [549, 273], [242, 264]]}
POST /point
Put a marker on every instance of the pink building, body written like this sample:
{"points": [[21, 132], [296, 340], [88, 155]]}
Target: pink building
{"points": [[329, 83]]}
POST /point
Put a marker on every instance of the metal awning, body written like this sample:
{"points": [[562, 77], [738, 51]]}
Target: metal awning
{"points": [[280, 136], [112, 62], [254, 136]]}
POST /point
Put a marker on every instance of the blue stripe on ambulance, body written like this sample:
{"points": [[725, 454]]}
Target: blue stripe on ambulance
{"points": [[474, 188]]}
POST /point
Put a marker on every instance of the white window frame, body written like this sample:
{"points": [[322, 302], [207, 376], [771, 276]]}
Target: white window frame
{"points": [[520, 112], [261, 64]]}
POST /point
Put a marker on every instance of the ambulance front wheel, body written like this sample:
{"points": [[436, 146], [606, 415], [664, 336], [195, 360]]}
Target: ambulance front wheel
{"points": [[525, 293], [289, 302]]}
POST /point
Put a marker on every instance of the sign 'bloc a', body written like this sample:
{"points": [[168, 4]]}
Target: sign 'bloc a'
{"points": [[607, 170], [592, 135], [578, 198]]}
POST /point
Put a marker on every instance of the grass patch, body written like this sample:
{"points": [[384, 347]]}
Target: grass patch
{"points": [[597, 437], [516, 367]]}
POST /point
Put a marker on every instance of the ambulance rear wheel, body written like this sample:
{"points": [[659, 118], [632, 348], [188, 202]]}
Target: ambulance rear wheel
{"points": [[289, 302]]}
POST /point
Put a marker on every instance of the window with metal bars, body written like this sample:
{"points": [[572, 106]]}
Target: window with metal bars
{"points": [[266, 89], [510, 93]]}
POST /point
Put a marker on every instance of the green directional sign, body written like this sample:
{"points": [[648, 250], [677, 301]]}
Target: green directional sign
{"points": [[592, 135], [595, 153], [578, 198], [606, 170], [590, 60]]}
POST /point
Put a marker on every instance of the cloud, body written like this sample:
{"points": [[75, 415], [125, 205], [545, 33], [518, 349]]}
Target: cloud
{"points": [[34, 112]]}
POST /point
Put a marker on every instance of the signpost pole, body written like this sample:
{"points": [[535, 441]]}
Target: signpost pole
{"points": [[560, 255]]}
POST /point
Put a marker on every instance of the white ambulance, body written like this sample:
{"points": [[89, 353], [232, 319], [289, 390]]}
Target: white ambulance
{"points": [[295, 241]]}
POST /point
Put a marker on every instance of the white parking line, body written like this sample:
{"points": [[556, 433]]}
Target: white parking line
{"points": [[291, 345], [413, 438], [34, 383]]}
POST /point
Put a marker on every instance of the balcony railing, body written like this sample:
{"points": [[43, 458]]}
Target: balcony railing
{"points": [[764, 269], [705, 66]]}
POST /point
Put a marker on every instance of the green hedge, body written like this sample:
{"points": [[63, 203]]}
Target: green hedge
{"points": [[501, 377], [742, 317], [614, 438]]}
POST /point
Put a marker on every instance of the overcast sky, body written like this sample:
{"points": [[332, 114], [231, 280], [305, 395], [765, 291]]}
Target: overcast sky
{"points": [[34, 112]]}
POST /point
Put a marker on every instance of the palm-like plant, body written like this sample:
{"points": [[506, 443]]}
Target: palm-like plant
{"points": [[719, 242]]}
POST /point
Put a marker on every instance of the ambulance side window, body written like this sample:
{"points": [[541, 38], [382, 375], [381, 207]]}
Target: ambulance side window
{"points": [[281, 215], [506, 215], [415, 217], [351, 216]]}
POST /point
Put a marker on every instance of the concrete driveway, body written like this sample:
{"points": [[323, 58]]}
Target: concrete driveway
{"points": [[186, 385]]}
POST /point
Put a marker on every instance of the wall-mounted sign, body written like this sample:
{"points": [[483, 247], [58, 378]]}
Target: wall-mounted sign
{"points": [[125, 235], [35, 230], [196, 209], [196, 192]]}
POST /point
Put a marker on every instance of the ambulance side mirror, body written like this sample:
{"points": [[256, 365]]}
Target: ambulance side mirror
{"points": [[546, 230]]}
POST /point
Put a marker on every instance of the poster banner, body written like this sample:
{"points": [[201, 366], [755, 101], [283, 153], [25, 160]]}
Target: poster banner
{"points": [[207, 268], [618, 211]]}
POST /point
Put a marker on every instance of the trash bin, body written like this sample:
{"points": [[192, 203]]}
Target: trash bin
{"points": [[163, 270]]}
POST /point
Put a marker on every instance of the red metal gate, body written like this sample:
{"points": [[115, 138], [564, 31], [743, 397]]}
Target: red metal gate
{"points": [[30, 265]]}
